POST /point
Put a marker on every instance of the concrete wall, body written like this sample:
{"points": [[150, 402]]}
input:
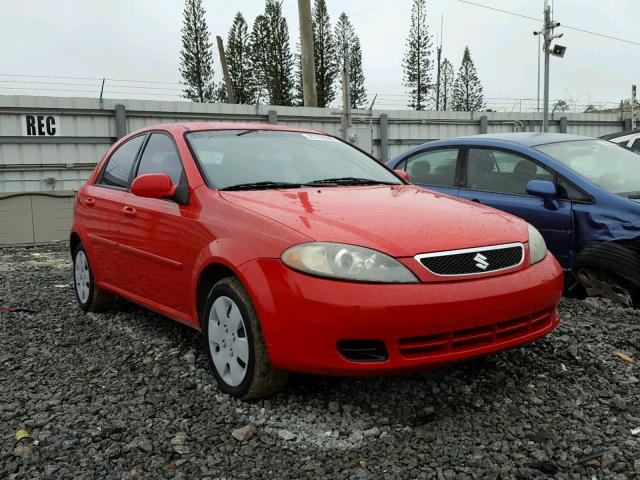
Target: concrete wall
{"points": [[53, 167]]}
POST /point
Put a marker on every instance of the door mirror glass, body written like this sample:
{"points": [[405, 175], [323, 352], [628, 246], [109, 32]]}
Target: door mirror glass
{"points": [[153, 185], [402, 174]]}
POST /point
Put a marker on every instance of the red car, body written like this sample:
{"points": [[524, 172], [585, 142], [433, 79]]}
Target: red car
{"points": [[292, 250]]}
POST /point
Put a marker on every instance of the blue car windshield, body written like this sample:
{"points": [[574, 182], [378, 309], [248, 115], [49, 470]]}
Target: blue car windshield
{"points": [[603, 163]]}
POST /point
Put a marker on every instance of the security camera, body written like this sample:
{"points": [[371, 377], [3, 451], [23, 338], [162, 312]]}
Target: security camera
{"points": [[557, 24], [558, 51]]}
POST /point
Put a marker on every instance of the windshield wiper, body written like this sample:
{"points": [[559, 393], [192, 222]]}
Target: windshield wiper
{"points": [[349, 181], [262, 186]]}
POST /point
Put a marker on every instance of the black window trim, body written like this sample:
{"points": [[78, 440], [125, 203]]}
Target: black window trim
{"points": [[556, 175], [98, 182], [458, 172]]}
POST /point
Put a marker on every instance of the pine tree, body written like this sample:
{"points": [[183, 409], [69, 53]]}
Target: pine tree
{"points": [[417, 62], [196, 58], [324, 54], [447, 80], [345, 33], [239, 61], [271, 54], [356, 76], [259, 56], [467, 92], [298, 89]]}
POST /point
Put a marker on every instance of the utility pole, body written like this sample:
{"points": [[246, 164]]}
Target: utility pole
{"points": [[439, 57], [346, 93], [231, 98], [633, 107], [306, 46], [539, 49], [558, 51]]}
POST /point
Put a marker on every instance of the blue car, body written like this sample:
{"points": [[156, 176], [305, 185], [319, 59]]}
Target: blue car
{"points": [[581, 193]]}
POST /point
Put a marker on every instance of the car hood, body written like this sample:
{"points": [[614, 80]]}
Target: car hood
{"points": [[401, 221]]}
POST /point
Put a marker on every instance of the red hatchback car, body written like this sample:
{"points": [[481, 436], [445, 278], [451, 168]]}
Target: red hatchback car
{"points": [[292, 250]]}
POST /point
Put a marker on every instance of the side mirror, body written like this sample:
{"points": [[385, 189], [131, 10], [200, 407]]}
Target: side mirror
{"points": [[545, 190], [153, 185], [402, 174]]}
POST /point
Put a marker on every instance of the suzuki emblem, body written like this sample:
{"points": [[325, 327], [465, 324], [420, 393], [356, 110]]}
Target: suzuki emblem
{"points": [[481, 261]]}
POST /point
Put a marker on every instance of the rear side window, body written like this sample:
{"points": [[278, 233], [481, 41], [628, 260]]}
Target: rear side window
{"points": [[160, 156], [435, 167], [636, 144], [117, 171]]}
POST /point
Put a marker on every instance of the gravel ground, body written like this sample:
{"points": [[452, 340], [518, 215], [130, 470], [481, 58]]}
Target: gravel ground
{"points": [[127, 394]]}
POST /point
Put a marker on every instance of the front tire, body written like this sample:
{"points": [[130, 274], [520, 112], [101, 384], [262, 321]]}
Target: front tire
{"points": [[235, 344], [611, 271], [90, 297]]}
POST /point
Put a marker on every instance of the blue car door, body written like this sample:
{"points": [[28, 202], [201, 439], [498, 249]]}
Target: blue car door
{"points": [[434, 169], [498, 178]]}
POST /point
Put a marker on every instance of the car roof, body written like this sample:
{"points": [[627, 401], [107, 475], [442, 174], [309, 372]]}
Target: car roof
{"points": [[618, 135], [529, 139], [200, 126]]}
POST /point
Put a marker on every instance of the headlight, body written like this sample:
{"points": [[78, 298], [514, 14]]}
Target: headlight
{"points": [[537, 247], [346, 262]]}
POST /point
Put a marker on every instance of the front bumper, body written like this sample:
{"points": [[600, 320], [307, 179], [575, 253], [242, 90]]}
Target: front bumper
{"points": [[428, 324]]}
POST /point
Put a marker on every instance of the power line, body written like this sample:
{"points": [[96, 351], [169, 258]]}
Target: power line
{"points": [[582, 30]]}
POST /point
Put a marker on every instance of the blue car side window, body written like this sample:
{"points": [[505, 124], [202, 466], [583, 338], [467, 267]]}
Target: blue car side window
{"points": [[434, 167], [498, 171]]}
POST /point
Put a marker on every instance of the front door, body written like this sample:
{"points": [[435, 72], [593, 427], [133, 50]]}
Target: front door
{"points": [[152, 233], [498, 178]]}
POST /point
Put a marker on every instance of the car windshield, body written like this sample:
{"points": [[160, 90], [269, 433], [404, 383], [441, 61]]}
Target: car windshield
{"points": [[260, 159], [605, 164]]}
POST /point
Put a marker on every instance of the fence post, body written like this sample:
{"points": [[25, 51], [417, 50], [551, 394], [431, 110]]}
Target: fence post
{"points": [[384, 137], [563, 124], [484, 124], [120, 113], [272, 117]]}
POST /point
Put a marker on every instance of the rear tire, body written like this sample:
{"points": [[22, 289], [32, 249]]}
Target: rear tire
{"points": [[609, 270], [235, 344], [90, 297]]}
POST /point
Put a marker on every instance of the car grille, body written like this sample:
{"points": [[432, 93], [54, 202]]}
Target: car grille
{"points": [[470, 339], [473, 261]]}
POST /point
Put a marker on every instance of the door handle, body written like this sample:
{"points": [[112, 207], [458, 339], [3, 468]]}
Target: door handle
{"points": [[90, 202], [129, 211]]}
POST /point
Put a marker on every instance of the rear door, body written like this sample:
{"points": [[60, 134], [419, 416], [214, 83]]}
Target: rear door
{"points": [[152, 232], [99, 208], [498, 178], [434, 169]]}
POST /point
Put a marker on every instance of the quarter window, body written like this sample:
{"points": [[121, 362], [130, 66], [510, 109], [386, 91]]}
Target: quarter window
{"points": [[636, 144], [117, 172], [435, 167], [502, 172], [160, 156]]}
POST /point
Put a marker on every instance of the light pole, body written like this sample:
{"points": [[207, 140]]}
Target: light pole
{"points": [[558, 51]]}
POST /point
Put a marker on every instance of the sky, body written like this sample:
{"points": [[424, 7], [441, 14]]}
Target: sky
{"points": [[140, 40]]}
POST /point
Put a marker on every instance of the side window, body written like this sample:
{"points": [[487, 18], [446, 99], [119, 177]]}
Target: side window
{"points": [[502, 172], [435, 167], [117, 172], [568, 192], [636, 144], [160, 156]]}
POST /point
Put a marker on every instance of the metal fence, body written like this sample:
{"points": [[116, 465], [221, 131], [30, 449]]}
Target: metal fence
{"points": [[49, 145]]}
